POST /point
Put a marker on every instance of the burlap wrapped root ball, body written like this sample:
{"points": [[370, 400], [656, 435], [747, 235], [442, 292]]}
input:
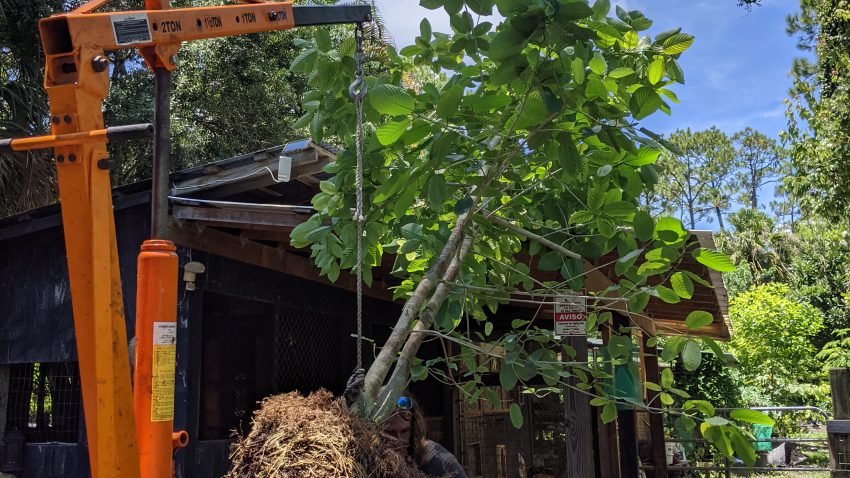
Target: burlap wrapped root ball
{"points": [[293, 436]]}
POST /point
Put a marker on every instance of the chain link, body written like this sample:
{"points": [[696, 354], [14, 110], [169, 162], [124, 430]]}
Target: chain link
{"points": [[357, 91]]}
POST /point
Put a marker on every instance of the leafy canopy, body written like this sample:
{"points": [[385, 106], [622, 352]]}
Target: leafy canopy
{"points": [[533, 123]]}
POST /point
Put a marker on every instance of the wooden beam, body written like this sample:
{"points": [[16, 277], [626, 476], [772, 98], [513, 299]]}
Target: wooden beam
{"points": [[839, 443], [238, 217], [233, 247], [675, 327], [579, 422], [649, 358]]}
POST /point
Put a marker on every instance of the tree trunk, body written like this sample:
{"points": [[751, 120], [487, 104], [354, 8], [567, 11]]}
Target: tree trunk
{"points": [[379, 369], [719, 217], [401, 373]]}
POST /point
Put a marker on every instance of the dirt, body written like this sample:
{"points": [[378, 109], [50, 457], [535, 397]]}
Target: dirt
{"points": [[293, 436]]}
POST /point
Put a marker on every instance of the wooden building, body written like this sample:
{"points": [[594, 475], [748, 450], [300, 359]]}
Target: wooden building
{"points": [[259, 320]]}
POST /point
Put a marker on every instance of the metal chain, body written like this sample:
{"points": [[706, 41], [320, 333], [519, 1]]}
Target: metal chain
{"points": [[357, 91]]}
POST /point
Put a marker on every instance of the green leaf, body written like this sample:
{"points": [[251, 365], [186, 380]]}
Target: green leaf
{"points": [[656, 70], [682, 285], [714, 260], [551, 261], [449, 101], [667, 378], [644, 226], [327, 187], [488, 328], [751, 416], [600, 9], [743, 447], [672, 348], [652, 386], [667, 295], [704, 407], [323, 39], [691, 355], [481, 7], [516, 416], [609, 413], [507, 43], [669, 230], [678, 43], [391, 100], [389, 133], [596, 89], [621, 72], [507, 377], [716, 421], [638, 302], [597, 65], [698, 319], [437, 193], [644, 102], [431, 4], [577, 66], [645, 155]]}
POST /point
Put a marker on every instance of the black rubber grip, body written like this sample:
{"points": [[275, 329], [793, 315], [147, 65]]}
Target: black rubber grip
{"points": [[129, 131], [305, 15]]}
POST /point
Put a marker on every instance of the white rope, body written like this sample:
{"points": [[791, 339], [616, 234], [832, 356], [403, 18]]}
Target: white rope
{"points": [[357, 92]]}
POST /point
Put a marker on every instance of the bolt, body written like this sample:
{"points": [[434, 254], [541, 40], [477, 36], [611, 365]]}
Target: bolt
{"points": [[103, 163], [72, 157], [273, 16], [55, 120], [99, 63], [174, 60], [60, 158], [67, 118]]}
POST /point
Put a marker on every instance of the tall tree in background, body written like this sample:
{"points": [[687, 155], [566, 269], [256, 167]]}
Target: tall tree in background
{"points": [[759, 159], [26, 179], [697, 180], [819, 111], [757, 242]]}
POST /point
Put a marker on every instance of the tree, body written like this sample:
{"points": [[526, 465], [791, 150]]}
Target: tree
{"points": [[760, 245], [773, 341], [759, 159], [698, 177], [819, 110], [26, 179], [529, 156]]}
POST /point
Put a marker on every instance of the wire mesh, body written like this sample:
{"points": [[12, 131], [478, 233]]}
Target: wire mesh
{"points": [[44, 401], [308, 351]]}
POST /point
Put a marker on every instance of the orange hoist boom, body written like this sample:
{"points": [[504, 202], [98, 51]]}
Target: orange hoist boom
{"points": [[77, 79]]}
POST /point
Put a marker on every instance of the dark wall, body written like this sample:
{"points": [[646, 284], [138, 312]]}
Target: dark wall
{"points": [[36, 321]]}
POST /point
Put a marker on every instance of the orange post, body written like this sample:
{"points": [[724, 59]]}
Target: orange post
{"points": [[156, 349]]}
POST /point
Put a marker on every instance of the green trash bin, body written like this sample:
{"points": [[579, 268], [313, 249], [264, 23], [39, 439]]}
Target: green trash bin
{"points": [[763, 432]]}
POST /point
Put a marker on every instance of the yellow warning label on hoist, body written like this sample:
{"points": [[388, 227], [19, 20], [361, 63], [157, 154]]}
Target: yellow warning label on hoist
{"points": [[162, 373]]}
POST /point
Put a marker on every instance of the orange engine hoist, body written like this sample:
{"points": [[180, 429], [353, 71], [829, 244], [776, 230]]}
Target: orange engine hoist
{"points": [[130, 427]]}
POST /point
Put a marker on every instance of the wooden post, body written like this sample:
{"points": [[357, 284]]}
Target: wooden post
{"points": [[579, 431], [838, 429], [608, 446], [649, 356]]}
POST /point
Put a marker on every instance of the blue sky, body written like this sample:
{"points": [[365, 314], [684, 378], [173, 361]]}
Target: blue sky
{"points": [[736, 72]]}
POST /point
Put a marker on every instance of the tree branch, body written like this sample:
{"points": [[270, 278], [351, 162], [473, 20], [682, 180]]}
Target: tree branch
{"points": [[530, 235], [401, 373], [379, 369]]}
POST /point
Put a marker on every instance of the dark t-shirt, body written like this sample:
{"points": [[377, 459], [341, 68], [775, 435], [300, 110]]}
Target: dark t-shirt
{"points": [[440, 463]]}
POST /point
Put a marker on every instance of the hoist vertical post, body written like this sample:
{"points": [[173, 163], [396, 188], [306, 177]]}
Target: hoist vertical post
{"points": [[161, 152], [76, 84], [156, 295], [156, 351]]}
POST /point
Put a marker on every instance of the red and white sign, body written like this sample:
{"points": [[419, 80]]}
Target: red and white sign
{"points": [[571, 314]]}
